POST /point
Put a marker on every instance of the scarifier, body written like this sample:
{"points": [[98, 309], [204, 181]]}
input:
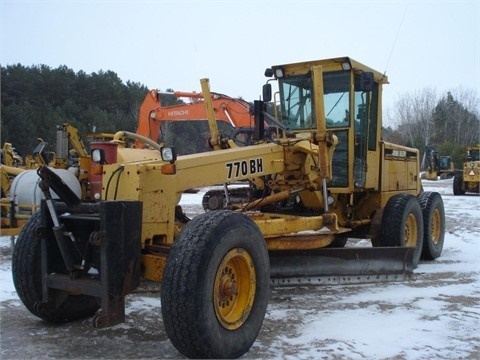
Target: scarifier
{"points": [[323, 177]]}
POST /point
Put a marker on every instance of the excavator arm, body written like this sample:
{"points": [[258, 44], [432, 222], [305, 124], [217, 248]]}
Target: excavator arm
{"points": [[75, 140]]}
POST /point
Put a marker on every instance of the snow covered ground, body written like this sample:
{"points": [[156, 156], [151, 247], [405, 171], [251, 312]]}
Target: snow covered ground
{"points": [[434, 315]]}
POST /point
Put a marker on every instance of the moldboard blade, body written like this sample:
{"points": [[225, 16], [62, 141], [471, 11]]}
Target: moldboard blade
{"points": [[341, 265]]}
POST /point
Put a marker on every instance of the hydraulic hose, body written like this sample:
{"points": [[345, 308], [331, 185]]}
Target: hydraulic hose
{"points": [[127, 134]]}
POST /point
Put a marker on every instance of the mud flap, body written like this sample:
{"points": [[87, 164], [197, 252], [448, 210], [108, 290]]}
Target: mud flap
{"points": [[341, 266], [121, 225]]}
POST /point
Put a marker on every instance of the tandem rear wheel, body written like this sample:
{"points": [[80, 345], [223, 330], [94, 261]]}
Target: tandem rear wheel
{"points": [[215, 287], [433, 224], [415, 222], [402, 224]]}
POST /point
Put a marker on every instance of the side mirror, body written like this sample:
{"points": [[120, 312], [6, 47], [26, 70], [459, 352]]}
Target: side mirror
{"points": [[267, 93], [364, 82], [39, 153]]}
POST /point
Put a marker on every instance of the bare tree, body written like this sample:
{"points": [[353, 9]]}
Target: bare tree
{"points": [[468, 124], [450, 123], [412, 116]]}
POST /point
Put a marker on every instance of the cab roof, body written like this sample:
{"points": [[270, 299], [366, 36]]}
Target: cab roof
{"points": [[332, 64]]}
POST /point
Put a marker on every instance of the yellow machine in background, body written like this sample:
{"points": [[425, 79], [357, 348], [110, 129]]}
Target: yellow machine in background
{"points": [[10, 156], [437, 166], [20, 193], [11, 165], [323, 176], [468, 179], [70, 153]]}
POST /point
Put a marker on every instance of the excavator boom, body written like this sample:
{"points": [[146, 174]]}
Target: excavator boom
{"points": [[231, 112]]}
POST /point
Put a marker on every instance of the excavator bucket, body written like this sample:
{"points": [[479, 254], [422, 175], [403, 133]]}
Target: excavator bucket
{"points": [[341, 266]]}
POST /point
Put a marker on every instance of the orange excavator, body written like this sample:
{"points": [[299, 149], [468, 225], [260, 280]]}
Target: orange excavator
{"points": [[179, 122]]}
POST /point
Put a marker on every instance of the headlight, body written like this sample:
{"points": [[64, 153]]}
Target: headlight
{"points": [[168, 154], [98, 156]]}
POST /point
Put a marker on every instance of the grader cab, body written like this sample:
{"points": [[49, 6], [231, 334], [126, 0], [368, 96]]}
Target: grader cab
{"points": [[324, 177]]}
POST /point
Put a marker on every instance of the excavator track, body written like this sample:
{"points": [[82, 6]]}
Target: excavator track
{"points": [[332, 266]]}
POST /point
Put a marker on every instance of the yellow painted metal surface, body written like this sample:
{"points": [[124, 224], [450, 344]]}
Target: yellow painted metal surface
{"points": [[290, 167], [399, 170], [153, 267], [234, 289], [283, 232]]}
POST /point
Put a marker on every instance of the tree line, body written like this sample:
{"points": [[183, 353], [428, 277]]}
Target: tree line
{"points": [[36, 99], [449, 122]]}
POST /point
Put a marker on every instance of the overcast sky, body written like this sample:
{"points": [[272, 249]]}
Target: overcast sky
{"points": [[172, 44]]}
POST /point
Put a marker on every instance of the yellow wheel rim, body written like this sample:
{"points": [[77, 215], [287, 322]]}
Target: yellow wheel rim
{"points": [[411, 231], [436, 226], [234, 289]]}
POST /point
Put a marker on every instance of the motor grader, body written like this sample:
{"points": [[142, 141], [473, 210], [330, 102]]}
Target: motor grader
{"points": [[468, 178], [437, 166], [324, 177]]}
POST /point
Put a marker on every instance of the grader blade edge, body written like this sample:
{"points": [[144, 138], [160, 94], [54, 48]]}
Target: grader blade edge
{"points": [[331, 266]]}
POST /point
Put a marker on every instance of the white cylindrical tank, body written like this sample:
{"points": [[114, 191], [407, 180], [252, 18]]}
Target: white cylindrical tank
{"points": [[26, 192]]}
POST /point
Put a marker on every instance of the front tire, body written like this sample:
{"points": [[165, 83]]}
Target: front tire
{"points": [[402, 224], [433, 212], [27, 277], [215, 287]]}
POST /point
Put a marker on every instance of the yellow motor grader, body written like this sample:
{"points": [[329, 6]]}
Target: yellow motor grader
{"points": [[324, 176], [437, 166], [468, 178]]}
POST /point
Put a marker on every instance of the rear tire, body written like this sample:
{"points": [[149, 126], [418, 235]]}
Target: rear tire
{"points": [[215, 287], [457, 185], [433, 212], [27, 277], [402, 224]]}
